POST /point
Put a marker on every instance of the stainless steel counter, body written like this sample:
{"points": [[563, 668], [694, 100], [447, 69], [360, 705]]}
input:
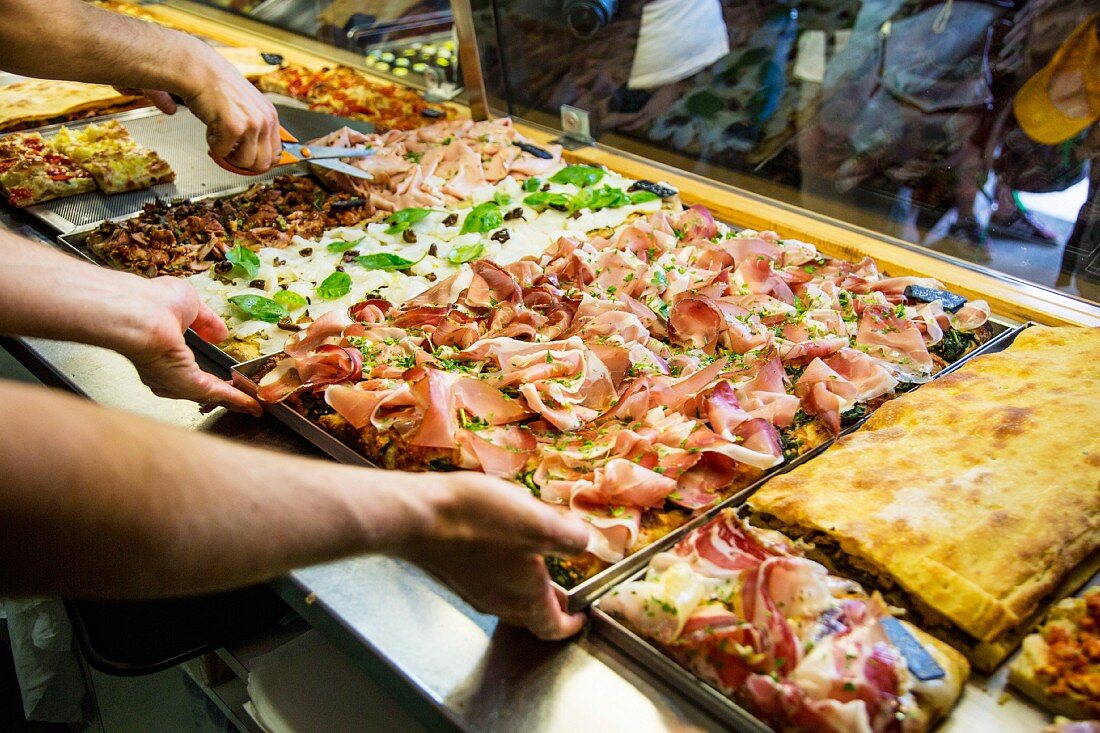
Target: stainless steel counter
{"points": [[450, 666]]}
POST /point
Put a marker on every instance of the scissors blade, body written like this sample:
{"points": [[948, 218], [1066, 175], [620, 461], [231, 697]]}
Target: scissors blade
{"points": [[340, 167], [321, 152]]}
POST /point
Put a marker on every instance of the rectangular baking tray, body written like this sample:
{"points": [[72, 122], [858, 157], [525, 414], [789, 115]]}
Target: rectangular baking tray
{"points": [[986, 704], [75, 242], [582, 595]]}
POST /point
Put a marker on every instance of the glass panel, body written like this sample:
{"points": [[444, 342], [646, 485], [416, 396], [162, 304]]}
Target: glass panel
{"points": [[964, 126]]}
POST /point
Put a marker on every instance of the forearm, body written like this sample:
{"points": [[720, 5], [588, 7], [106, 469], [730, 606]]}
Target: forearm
{"points": [[49, 294], [85, 43], [97, 503]]}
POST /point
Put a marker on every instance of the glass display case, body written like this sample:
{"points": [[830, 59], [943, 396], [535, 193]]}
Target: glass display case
{"points": [[962, 127], [404, 39]]}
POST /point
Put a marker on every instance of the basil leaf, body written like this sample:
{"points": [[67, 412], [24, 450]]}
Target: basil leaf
{"points": [[290, 299], [401, 220], [640, 197], [466, 253], [599, 198], [483, 218], [259, 308], [336, 285], [245, 262], [501, 199], [544, 200], [531, 185], [385, 261], [339, 246], [578, 175]]}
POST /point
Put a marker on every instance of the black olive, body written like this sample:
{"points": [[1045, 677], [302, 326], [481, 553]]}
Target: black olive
{"points": [[534, 150], [258, 284], [339, 268], [278, 262], [224, 267], [516, 213], [451, 220], [409, 236], [350, 255], [545, 187], [662, 191], [433, 250], [305, 251], [500, 235], [575, 215], [430, 277]]}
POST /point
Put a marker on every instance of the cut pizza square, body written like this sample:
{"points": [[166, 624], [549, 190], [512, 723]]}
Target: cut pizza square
{"points": [[33, 179], [129, 171]]}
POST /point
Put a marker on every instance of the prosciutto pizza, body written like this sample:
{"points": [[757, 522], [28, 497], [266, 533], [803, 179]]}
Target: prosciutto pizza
{"points": [[803, 650], [637, 378]]}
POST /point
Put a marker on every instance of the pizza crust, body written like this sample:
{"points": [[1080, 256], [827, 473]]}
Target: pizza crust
{"points": [[975, 495]]}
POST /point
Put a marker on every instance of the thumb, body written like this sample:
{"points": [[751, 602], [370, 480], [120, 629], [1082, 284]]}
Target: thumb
{"points": [[161, 100], [213, 391], [209, 326], [560, 532]]}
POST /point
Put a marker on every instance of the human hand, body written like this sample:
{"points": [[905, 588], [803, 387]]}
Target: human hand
{"points": [[242, 124], [159, 311], [486, 537]]}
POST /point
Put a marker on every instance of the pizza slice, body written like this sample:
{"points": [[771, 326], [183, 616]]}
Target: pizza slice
{"points": [[1059, 666], [33, 179], [131, 171]]}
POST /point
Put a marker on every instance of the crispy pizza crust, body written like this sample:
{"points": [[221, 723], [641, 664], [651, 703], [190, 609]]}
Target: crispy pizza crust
{"points": [[973, 497]]}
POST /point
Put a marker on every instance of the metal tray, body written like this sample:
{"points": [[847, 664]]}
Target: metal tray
{"points": [[180, 139], [582, 595], [985, 705], [74, 242]]}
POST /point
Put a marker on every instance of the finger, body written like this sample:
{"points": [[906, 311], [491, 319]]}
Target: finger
{"points": [[547, 620], [274, 143], [161, 100], [246, 151], [214, 391], [222, 137], [209, 326], [559, 531]]}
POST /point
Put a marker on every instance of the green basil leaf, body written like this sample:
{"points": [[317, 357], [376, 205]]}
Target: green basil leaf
{"points": [[336, 285], [595, 199], [483, 218], [531, 185], [245, 262], [501, 199], [401, 220], [578, 175], [640, 197], [544, 200], [339, 246], [385, 261], [290, 299], [466, 253], [259, 308]]}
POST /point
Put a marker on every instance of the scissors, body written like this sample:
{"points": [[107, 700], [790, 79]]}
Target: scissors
{"points": [[295, 152]]}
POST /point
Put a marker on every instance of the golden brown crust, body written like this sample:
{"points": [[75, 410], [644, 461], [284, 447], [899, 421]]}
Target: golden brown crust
{"points": [[43, 99], [976, 494]]}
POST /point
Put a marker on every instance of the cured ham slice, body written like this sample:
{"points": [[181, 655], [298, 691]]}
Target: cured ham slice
{"points": [[824, 392], [498, 451], [696, 222], [971, 316], [329, 327], [492, 285], [760, 278], [898, 339]]}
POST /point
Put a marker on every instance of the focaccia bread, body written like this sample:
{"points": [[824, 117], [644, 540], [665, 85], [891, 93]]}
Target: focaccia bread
{"points": [[971, 500], [1059, 667], [45, 99]]}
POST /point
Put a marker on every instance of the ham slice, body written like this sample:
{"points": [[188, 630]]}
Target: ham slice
{"points": [[824, 392], [328, 328], [897, 339], [696, 222], [498, 451], [971, 316]]}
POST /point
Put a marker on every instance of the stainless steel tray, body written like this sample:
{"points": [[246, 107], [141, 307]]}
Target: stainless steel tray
{"points": [[985, 706], [583, 594], [180, 139], [74, 242]]}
